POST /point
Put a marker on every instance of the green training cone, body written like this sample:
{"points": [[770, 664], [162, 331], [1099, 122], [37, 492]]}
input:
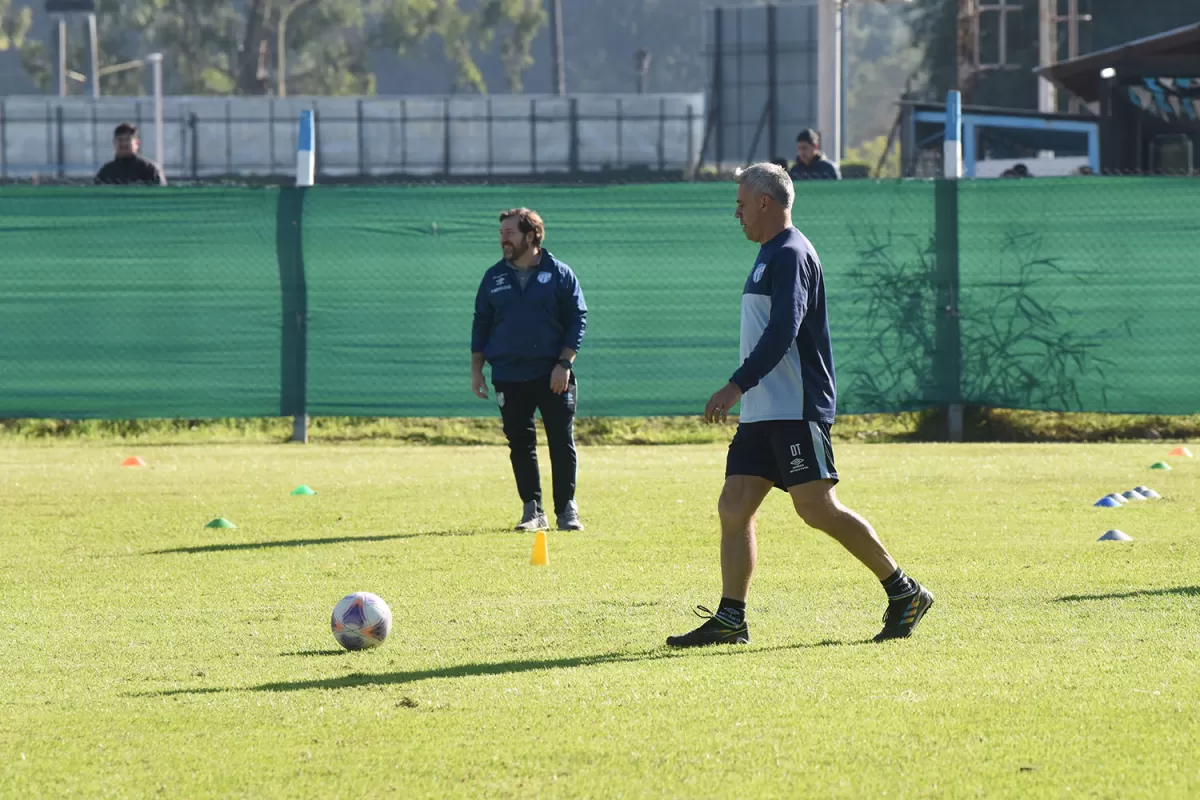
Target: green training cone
{"points": [[303, 490], [220, 522], [1160, 465]]}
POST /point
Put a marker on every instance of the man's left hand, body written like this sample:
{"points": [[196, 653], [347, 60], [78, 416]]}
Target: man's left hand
{"points": [[560, 379], [719, 404]]}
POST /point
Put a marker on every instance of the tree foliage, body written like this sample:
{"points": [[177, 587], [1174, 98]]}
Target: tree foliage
{"points": [[220, 47], [14, 25]]}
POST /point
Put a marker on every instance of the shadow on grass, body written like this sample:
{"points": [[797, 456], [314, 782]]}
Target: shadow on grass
{"points": [[1180, 591], [219, 548], [356, 679], [330, 652]]}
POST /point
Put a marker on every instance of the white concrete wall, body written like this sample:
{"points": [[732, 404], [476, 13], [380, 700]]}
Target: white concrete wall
{"points": [[257, 136]]}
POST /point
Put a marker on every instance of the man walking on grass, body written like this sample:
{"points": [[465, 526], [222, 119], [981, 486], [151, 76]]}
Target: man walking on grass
{"points": [[787, 391], [529, 321]]}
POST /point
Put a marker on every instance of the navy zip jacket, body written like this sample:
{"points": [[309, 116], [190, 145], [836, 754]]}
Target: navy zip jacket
{"points": [[820, 168], [787, 358], [522, 331]]}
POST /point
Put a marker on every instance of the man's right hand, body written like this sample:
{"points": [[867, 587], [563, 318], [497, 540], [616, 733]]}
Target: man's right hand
{"points": [[479, 385]]}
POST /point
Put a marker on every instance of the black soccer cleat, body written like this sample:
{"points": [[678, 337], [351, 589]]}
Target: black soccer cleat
{"points": [[715, 630], [903, 614]]}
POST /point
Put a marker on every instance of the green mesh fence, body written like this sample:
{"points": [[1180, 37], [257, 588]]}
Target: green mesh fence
{"points": [[1054, 294], [136, 304]]}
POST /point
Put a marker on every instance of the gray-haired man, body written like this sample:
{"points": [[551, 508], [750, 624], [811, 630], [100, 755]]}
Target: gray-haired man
{"points": [[786, 387]]}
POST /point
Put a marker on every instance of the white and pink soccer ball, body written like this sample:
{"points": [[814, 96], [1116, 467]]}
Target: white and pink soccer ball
{"points": [[361, 621]]}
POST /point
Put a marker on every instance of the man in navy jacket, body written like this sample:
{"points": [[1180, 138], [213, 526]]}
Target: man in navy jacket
{"points": [[811, 164], [529, 321]]}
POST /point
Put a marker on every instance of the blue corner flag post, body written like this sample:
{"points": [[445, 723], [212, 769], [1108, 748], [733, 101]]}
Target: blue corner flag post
{"points": [[306, 150], [306, 165], [952, 152], [953, 170]]}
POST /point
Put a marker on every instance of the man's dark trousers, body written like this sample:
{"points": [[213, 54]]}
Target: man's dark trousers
{"points": [[518, 400]]}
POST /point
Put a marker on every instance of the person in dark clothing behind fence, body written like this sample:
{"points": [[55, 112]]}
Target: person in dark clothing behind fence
{"points": [[529, 321], [811, 163], [128, 166]]}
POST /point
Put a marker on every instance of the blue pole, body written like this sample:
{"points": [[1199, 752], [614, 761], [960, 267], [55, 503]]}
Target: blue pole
{"points": [[306, 150], [952, 146]]}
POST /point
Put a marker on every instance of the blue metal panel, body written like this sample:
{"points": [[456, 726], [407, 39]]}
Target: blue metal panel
{"points": [[1026, 123]]}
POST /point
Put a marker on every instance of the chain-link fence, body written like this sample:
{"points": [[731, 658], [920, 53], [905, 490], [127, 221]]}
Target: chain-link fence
{"points": [[52, 139], [1073, 293]]}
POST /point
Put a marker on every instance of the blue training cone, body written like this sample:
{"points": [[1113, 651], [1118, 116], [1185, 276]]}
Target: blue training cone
{"points": [[1107, 502], [1133, 494]]}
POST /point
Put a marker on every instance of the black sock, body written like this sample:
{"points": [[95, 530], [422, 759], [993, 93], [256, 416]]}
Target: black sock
{"points": [[898, 585], [732, 611]]}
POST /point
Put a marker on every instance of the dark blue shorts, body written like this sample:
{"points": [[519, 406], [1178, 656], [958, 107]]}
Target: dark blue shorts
{"points": [[786, 452]]}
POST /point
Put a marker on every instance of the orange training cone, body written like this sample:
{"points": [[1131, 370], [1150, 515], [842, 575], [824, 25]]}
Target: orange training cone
{"points": [[541, 551], [133, 461], [1181, 451]]}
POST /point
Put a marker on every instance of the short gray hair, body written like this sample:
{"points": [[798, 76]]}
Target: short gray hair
{"points": [[771, 180]]}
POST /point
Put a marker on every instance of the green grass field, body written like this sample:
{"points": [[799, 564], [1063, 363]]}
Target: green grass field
{"points": [[143, 654]]}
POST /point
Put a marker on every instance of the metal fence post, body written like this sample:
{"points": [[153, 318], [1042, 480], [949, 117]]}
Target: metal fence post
{"points": [[691, 138], [403, 135], [620, 133], [362, 144], [573, 147], [446, 136], [318, 162], [60, 146], [491, 162], [533, 136], [194, 127], [96, 159], [3, 143], [662, 133]]}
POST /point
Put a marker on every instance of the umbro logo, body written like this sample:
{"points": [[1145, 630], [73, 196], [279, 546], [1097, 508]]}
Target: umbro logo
{"points": [[798, 465]]}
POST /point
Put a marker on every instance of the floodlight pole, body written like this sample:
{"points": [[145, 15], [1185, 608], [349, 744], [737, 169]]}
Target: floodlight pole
{"points": [[62, 56], [838, 145], [160, 155], [557, 54], [94, 47]]}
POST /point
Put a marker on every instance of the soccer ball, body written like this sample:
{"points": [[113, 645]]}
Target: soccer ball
{"points": [[361, 621]]}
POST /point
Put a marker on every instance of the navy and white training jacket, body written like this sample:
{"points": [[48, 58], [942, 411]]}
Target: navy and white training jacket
{"points": [[522, 331], [787, 360]]}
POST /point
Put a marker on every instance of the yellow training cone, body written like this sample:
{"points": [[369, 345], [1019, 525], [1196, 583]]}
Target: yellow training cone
{"points": [[541, 551]]}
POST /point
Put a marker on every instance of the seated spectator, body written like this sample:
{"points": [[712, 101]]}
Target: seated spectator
{"points": [[128, 166], [811, 163]]}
